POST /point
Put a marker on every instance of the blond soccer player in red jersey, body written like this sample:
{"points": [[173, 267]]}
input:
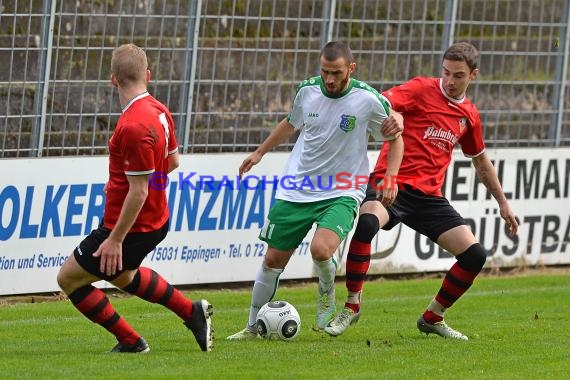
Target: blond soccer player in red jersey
{"points": [[437, 116], [142, 150]]}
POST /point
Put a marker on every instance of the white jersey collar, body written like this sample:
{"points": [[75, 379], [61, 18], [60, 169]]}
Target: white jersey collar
{"points": [[140, 96], [447, 96]]}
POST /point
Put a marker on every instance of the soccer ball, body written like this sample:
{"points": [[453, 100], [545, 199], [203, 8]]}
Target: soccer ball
{"points": [[278, 320]]}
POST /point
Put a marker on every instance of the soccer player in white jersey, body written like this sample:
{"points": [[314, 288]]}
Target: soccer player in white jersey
{"points": [[335, 115]]}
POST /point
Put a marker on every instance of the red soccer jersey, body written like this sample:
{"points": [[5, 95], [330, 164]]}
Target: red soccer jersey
{"points": [[141, 143], [433, 124]]}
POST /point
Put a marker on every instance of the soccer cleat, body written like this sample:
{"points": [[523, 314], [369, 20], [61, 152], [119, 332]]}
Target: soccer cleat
{"points": [[200, 323], [439, 328], [326, 307], [140, 347], [341, 321], [245, 334]]}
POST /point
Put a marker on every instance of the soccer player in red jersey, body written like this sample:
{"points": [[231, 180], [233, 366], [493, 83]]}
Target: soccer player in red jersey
{"points": [[437, 116], [142, 150]]}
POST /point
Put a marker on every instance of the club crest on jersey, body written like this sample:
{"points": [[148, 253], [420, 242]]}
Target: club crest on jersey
{"points": [[347, 123], [462, 124]]}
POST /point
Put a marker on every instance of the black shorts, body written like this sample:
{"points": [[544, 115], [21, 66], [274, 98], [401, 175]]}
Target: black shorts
{"points": [[429, 215], [135, 248]]}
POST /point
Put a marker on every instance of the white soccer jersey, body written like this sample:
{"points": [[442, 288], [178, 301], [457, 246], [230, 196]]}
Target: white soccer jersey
{"points": [[330, 157]]}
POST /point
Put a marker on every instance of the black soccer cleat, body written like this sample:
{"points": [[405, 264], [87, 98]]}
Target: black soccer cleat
{"points": [[200, 323], [140, 347]]}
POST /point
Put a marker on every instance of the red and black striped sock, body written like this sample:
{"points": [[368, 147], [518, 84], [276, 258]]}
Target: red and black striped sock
{"points": [[95, 305], [357, 264], [457, 281], [152, 287], [358, 258]]}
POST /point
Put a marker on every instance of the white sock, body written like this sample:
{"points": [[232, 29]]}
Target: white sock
{"points": [[326, 271], [353, 297], [436, 308], [264, 288]]}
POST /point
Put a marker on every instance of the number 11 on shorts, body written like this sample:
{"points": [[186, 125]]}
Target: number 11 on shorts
{"points": [[267, 229]]}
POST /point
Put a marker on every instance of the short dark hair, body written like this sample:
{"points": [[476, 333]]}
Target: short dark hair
{"points": [[335, 50], [464, 52]]}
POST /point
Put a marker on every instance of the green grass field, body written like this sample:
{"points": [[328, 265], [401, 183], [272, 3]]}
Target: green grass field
{"points": [[518, 325]]}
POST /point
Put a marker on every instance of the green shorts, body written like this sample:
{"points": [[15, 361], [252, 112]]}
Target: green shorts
{"points": [[289, 222]]}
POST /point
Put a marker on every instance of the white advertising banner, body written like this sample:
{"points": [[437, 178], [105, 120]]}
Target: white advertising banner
{"points": [[48, 205]]}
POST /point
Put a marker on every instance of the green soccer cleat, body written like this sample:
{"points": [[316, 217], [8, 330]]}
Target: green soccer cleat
{"points": [[439, 328], [341, 321]]}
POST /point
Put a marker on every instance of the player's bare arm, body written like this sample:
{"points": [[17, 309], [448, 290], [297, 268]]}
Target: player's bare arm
{"points": [[393, 126], [173, 161], [283, 131], [488, 176], [110, 250], [395, 154]]}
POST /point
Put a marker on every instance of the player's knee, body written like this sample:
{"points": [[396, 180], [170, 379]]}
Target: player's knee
{"points": [[473, 258], [366, 228], [276, 258], [64, 281], [321, 251], [61, 280]]}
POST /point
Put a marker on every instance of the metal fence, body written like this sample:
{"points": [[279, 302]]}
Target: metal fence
{"points": [[228, 69]]}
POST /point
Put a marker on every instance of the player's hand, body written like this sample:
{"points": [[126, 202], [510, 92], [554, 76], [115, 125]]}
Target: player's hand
{"points": [[387, 191], [509, 218], [248, 163], [393, 125], [111, 254]]}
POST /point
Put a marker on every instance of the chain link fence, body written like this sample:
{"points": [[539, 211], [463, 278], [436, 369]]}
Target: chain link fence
{"points": [[228, 69]]}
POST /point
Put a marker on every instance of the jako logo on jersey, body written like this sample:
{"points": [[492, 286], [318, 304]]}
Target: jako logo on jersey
{"points": [[347, 123], [439, 134]]}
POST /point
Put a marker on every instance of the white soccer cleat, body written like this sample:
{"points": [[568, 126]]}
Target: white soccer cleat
{"points": [[439, 328], [245, 334], [341, 321], [326, 307]]}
